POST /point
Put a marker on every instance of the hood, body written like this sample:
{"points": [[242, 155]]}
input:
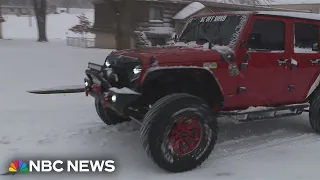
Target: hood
{"points": [[181, 54]]}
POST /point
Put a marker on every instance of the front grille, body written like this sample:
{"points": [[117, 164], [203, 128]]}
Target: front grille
{"points": [[123, 78], [123, 67]]}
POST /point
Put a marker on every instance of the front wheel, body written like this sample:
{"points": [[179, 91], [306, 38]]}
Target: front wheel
{"points": [[179, 132], [108, 116]]}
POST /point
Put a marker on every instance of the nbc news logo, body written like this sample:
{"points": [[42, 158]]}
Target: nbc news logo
{"points": [[19, 166]]}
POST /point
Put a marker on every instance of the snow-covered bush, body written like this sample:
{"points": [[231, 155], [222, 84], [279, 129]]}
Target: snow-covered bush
{"points": [[83, 27], [142, 40]]}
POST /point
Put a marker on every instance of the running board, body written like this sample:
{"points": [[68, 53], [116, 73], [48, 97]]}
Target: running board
{"points": [[266, 113]]}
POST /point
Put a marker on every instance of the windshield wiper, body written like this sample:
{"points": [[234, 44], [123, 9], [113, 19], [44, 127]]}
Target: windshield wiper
{"points": [[188, 30], [210, 41]]}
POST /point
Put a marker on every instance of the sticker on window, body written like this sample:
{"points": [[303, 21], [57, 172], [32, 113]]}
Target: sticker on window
{"points": [[213, 18]]}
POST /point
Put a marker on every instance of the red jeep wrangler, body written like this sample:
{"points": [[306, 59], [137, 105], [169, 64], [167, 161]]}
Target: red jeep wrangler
{"points": [[247, 65]]}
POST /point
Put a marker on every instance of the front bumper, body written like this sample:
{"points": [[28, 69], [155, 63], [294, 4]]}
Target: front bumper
{"points": [[119, 100]]}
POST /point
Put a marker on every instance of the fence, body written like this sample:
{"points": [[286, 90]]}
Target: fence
{"points": [[81, 42]]}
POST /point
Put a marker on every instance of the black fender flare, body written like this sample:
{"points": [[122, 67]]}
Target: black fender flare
{"points": [[155, 72]]}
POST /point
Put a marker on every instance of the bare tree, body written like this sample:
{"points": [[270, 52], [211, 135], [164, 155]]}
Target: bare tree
{"points": [[40, 10], [1, 20], [125, 21]]}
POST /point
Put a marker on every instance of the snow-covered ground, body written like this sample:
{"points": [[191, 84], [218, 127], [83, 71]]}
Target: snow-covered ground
{"points": [[25, 27], [67, 126]]}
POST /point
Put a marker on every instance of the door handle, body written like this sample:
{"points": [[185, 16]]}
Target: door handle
{"points": [[315, 61], [282, 61]]}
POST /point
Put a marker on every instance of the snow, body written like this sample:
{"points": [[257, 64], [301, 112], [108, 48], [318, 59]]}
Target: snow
{"points": [[155, 21], [142, 40], [272, 2], [294, 62], [67, 126], [252, 109], [277, 2], [262, 108], [189, 10], [312, 16], [193, 44], [160, 30], [188, 44], [304, 50], [17, 27]]}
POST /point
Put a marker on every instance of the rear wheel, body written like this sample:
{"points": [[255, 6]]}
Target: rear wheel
{"points": [[108, 116], [179, 132], [314, 112]]}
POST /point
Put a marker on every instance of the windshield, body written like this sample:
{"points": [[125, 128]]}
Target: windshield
{"points": [[220, 30]]}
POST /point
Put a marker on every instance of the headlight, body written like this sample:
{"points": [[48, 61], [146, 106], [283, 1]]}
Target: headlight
{"points": [[107, 63], [137, 70], [114, 98], [135, 74]]}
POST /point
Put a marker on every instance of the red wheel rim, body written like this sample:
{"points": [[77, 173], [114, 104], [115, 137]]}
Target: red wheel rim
{"points": [[185, 135]]}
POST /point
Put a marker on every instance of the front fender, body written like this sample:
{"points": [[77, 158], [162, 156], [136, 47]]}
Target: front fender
{"points": [[211, 82]]}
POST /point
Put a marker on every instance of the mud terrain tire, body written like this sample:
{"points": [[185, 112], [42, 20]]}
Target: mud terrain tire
{"points": [[314, 112], [107, 115], [164, 117]]}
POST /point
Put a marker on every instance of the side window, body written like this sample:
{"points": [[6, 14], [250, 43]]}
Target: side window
{"points": [[306, 38], [267, 35]]}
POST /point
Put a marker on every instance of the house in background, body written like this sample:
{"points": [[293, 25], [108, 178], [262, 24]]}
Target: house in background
{"points": [[306, 5], [161, 18]]}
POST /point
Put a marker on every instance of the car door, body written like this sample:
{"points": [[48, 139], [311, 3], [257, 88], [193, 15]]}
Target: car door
{"points": [[264, 78], [306, 54]]}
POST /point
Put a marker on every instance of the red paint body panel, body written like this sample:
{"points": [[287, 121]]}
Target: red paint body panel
{"points": [[306, 73], [174, 55], [182, 56], [265, 80], [189, 57]]}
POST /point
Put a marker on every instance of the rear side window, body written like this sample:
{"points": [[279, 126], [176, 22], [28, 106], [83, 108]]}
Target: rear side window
{"points": [[267, 35], [306, 38]]}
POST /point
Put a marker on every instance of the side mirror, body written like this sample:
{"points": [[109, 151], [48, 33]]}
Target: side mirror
{"points": [[254, 40]]}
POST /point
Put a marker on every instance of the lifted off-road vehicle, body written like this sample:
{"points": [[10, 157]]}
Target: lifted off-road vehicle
{"points": [[246, 65]]}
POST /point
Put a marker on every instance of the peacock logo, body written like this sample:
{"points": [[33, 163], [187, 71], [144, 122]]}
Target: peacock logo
{"points": [[18, 166]]}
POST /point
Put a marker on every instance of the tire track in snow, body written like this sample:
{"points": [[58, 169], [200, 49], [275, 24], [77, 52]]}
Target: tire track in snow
{"points": [[239, 149]]}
